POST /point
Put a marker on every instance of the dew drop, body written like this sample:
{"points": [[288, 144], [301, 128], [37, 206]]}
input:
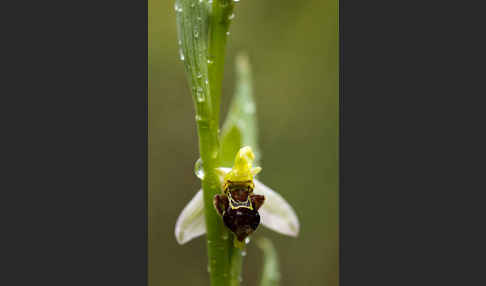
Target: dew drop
{"points": [[177, 8], [200, 95], [236, 1], [210, 61], [198, 170], [247, 240], [227, 33], [181, 55], [243, 253], [196, 34], [206, 81], [210, 1], [193, 5], [232, 16], [199, 75]]}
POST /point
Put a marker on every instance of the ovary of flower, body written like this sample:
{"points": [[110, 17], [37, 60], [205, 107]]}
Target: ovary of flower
{"points": [[276, 213]]}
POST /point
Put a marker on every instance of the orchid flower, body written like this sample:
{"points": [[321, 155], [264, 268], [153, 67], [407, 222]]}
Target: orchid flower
{"points": [[275, 213]]}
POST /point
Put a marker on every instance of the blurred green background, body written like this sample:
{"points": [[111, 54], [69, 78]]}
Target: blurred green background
{"points": [[293, 50]]}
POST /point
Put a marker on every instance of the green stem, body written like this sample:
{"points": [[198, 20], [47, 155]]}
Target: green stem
{"points": [[219, 22], [236, 262], [202, 40], [216, 232], [193, 30]]}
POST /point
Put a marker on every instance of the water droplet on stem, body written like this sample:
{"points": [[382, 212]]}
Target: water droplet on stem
{"points": [[177, 7], [198, 169], [200, 97], [181, 55]]}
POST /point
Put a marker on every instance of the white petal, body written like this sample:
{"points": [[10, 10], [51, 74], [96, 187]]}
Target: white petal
{"points": [[191, 222], [276, 213]]}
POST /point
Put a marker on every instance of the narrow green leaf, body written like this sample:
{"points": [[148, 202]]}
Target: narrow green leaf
{"points": [[192, 29], [240, 127], [270, 274]]}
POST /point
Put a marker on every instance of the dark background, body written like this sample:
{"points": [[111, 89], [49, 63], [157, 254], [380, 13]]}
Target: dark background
{"points": [[293, 50]]}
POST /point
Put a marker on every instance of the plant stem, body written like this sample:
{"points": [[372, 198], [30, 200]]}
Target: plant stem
{"points": [[219, 22], [236, 263], [202, 39], [193, 31]]}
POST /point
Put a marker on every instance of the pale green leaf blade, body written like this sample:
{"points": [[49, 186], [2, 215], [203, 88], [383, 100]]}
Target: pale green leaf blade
{"points": [[240, 128]]}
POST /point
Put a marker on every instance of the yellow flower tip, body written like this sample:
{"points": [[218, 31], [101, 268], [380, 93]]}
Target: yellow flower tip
{"points": [[256, 170], [242, 169]]}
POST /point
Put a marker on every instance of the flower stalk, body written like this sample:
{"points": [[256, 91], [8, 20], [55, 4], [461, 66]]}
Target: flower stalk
{"points": [[236, 265]]}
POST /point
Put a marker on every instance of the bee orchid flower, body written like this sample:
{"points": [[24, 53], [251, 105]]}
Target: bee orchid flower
{"points": [[268, 207]]}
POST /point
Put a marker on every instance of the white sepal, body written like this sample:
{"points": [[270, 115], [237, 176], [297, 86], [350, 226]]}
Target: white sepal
{"points": [[276, 214], [191, 222]]}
